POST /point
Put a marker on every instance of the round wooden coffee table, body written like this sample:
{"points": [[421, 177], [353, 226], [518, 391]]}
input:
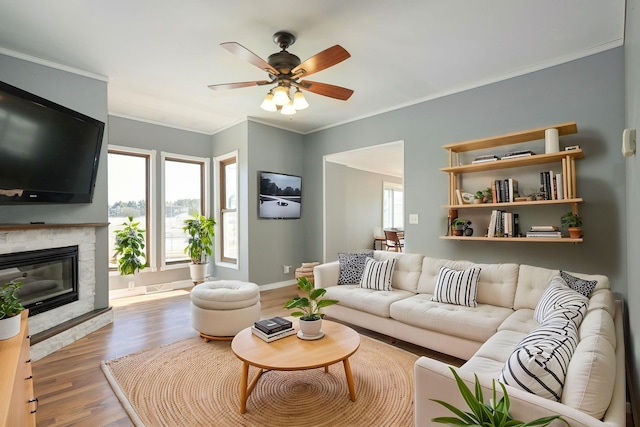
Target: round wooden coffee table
{"points": [[294, 354]]}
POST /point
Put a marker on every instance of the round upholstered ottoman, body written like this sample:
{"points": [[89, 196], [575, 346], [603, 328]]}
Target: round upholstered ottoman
{"points": [[221, 309]]}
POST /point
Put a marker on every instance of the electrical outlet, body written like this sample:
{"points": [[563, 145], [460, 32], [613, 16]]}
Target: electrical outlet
{"points": [[413, 218], [287, 268]]}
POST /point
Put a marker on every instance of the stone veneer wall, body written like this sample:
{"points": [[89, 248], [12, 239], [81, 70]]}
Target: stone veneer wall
{"points": [[45, 238]]}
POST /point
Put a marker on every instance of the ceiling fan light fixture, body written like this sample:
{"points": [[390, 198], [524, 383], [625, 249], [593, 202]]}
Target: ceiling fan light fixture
{"points": [[299, 101], [268, 104], [281, 95], [288, 109]]}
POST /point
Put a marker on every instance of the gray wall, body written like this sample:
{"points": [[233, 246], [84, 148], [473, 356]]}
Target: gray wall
{"points": [[136, 134], [588, 91], [353, 208], [274, 243], [632, 78], [88, 96]]}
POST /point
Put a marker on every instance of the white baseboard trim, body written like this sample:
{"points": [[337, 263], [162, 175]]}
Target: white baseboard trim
{"points": [[149, 289], [277, 285]]}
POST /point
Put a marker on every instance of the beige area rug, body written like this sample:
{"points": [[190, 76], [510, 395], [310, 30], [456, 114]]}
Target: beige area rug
{"points": [[193, 383]]}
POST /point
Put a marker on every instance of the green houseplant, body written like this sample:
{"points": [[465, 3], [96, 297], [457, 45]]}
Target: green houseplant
{"points": [[309, 307], [10, 309], [493, 413], [200, 245], [129, 246], [459, 226], [573, 223]]}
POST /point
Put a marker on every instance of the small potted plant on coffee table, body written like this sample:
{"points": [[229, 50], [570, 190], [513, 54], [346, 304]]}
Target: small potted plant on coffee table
{"points": [[309, 308], [10, 309], [573, 223]]}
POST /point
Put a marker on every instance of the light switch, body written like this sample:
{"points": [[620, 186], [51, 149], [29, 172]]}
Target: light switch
{"points": [[413, 218]]}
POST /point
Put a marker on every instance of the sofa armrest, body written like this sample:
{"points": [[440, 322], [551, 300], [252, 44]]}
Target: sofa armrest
{"points": [[325, 275], [434, 380]]}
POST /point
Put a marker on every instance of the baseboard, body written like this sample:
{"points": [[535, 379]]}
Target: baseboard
{"points": [[277, 285]]}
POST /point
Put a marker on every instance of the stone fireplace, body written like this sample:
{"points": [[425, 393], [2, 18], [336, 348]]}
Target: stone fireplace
{"points": [[15, 240]]}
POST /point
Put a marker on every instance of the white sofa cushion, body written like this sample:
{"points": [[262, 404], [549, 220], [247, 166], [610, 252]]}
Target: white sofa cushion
{"points": [[407, 270], [591, 377], [457, 287], [598, 323], [367, 300], [496, 284], [377, 274], [560, 301], [540, 362], [602, 299], [521, 321], [532, 282], [472, 323]]}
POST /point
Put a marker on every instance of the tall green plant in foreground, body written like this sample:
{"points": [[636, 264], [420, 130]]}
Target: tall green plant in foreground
{"points": [[201, 233], [486, 414], [130, 248]]}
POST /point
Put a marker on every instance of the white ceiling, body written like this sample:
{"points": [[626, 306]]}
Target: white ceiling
{"points": [[160, 55], [386, 159]]}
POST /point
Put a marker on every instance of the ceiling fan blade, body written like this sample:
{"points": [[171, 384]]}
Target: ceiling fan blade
{"points": [[322, 60], [244, 53], [225, 86], [337, 92]]}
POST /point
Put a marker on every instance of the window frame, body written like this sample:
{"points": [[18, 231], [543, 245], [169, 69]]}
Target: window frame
{"points": [[219, 200], [204, 201], [393, 187], [150, 211]]}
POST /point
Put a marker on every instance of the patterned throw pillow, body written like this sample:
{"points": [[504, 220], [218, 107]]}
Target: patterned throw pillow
{"points": [[540, 362], [560, 301], [585, 287], [377, 275], [457, 287], [352, 266]]}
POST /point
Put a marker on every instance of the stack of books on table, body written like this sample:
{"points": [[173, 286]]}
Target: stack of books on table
{"points": [[544, 231], [272, 329]]}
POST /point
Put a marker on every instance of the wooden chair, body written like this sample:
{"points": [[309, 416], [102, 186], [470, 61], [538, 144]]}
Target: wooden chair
{"points": [[393, 241]]}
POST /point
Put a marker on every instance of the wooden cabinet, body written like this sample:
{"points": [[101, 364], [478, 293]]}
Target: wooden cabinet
{"points": [[17, 405], [566, 158]]}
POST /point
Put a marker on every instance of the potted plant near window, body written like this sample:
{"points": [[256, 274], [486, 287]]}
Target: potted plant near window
{"points": [[10, 309], [200, 246], [129, 245], [309, 307], [573, 223]]}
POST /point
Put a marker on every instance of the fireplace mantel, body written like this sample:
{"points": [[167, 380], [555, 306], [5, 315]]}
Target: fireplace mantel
{"points": [[34, 226]]}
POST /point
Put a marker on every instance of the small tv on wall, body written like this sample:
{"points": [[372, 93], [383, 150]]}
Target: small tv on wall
{"points": [[279, 196]]}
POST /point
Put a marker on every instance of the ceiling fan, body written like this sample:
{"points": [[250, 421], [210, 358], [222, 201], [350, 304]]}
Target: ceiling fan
{"points": [[286, 71]]}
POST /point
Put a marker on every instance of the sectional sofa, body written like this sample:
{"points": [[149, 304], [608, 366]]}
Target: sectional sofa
{"points": [[559, 352]]}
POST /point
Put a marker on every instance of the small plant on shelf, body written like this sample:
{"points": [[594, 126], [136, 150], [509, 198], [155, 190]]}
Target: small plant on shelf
{"points": [[460, 226], [9, 301], [573, 223], [492, 413], [483, 196]]}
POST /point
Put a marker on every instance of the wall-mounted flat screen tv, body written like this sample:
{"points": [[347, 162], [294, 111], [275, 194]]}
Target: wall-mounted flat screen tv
{"points": [[280, 196], [48, 152]]}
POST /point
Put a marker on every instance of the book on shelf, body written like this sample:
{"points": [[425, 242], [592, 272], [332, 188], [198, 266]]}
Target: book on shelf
{"points": [[544, 228], [518, 154], [272, 337], [459, 196], [503, 224], [544, 234], [485, 159], [273, 325], [559, 187]]}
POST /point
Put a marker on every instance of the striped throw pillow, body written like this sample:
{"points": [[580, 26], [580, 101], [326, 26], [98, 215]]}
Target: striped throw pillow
{"points": [[539, 363], [377, 275], [560, 301], [457, 287]]}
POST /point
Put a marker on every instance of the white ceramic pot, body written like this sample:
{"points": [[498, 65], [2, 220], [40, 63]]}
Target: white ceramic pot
{"points": [[9, 327], [310, 328], [198, 272]]}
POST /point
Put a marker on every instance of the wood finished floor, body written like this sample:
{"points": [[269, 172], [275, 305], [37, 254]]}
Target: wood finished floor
{"points": [[70, 386]]}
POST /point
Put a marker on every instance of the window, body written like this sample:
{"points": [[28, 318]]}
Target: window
{"points": [[393, 206], [228, 210], [129, 175], [185, 181]]}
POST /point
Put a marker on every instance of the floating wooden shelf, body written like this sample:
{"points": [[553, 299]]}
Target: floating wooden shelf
{"points": [[513, 239], [537, 159], [511, 204]]}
